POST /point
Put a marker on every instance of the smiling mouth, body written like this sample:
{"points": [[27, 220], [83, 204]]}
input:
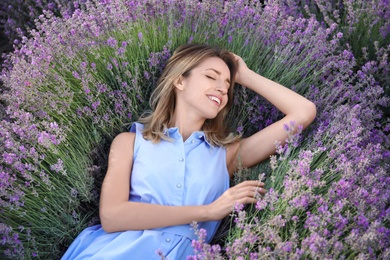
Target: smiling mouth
{"points": [[215, 99]]}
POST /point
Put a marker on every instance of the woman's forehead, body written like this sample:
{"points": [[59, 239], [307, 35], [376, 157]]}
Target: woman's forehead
{"points": [[216, 65]]}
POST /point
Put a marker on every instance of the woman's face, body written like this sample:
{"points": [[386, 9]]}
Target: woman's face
{"points": [[205, 90]]}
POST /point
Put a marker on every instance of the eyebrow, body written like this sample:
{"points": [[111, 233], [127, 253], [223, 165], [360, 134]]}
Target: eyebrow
{"points": [[219, 73]]}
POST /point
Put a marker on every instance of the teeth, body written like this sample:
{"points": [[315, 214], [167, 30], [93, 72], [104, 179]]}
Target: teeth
{"points": [[215, 99]]}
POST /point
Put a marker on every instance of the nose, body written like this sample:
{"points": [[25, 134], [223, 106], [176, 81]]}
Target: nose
{"points": [[222, 90]]}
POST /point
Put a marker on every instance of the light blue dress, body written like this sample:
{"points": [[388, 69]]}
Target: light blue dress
{"points": [[167, 173]]}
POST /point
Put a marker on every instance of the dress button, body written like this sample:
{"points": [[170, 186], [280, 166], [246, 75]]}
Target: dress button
{"points": [[193, 141], [181, 159], [178, 185], [168, 240]]}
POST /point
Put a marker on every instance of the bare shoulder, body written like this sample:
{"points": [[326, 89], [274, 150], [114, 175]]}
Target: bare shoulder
{"points": [[121, 152], [123, 140], [125, 136]]}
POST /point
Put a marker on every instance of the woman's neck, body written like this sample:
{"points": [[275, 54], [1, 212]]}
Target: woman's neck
{"points": [[186, 124]]}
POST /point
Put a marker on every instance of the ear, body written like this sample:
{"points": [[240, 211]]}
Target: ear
{"points": [[178, 83]]}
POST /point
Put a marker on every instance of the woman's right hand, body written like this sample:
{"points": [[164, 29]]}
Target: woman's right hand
{"points": [[243, 193]]}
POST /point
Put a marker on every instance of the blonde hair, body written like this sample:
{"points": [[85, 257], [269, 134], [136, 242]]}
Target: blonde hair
{"points": [[163, 99]]}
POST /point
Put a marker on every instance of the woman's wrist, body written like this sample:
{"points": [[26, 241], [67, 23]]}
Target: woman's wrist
{"points": [[205, 213]]}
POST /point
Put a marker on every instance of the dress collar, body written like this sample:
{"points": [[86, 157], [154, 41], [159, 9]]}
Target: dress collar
{"points": [[173, 132]]}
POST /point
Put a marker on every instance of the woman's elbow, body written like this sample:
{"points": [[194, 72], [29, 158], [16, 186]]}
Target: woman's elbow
{"points": [[306, 114], [107, 220], [310, 113]]}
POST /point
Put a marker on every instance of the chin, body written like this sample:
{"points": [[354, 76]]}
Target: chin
{"points": [[211, 116]]}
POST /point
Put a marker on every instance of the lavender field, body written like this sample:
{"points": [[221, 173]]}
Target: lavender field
{"points": [[79, 72]]}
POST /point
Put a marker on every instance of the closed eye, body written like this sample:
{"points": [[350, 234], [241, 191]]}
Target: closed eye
{"points": [[210, 77]]}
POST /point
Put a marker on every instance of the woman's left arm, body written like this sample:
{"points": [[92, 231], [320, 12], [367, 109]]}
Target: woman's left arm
{"points": [[261, 145]]}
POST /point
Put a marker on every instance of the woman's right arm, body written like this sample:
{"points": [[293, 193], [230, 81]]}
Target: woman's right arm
{"points": [[117, 213]]}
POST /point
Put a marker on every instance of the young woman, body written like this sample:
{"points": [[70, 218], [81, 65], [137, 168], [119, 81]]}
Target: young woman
{"points": [[173, 167]]}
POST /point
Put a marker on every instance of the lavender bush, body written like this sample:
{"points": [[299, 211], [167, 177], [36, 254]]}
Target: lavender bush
{"points": [[80, 80], [17, 17], [362, 22], [365, 26]]}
